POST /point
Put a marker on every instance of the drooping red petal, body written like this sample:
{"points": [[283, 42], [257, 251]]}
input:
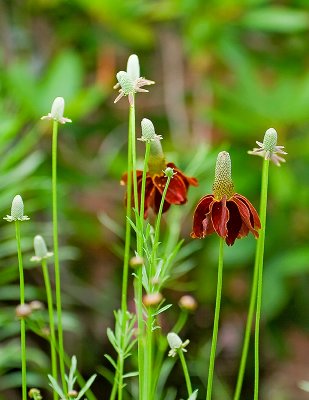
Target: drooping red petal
{"points": [[124, 178], [200, 229], [244, 230], [234, 224], [149, 192], [254, 217], [220, 216], [186, 179], [245, 214], [176, 192]]}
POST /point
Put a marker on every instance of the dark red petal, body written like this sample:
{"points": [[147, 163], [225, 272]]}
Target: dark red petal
{"points": [[149, 192], [234, 224], [254, 217], [124, 178], [176, 192], [186, 179], [244, 230], [245, 214], [220, 216], [157, 201], [201, 229]]}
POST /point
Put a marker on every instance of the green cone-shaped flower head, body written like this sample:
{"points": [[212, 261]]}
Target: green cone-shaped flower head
{"points": [[223, 184]]}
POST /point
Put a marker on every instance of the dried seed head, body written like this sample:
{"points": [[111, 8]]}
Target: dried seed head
{"points": [[223, 185], [133, 68], [152, 299], [188, 303], [23, 310], [136, 262]]}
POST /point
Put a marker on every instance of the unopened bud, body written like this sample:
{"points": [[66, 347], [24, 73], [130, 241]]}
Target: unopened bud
{"points": [[188, 302], [126, 83], [270, 140], [40, 249], [72, 393], [23, 311], [136, 262], [174, 340], [148, 131], [36, 305], [152, 299], [169, 172], [133, 68], [35, 394], [57, 111], [17, 210]]}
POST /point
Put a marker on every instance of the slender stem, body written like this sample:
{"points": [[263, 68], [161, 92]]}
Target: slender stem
{"points": [[216, 322], [56, 254], [131, 171], [260, 258], [245, 348], [148, 372], [22, 321], [141, 216], [49, 296], [185, 372]]}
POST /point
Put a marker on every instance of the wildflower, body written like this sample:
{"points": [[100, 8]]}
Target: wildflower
{"points": [[176, 344], [225, 212], [40, 249], [156, 179], [57, 111], [130, 81], [269, 149], [17, 210]]}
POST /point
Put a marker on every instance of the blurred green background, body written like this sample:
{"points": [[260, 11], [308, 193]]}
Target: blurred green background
{"points": [[225, 72]]}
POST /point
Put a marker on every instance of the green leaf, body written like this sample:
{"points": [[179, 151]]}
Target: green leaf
{"points": [[277, 19], [86, 387]]}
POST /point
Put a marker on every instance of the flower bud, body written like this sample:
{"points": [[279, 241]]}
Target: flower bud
{"points": [[148, 130], [223, 185], [169, 172], [23, 311], [174, 340], [36, 305], [35, 394], [57, 111], [270, 140], [133, 68], [126, 83], [188, 303], [136, 262], [17, 209], [72, 393], [152, 299], [39, 245]]}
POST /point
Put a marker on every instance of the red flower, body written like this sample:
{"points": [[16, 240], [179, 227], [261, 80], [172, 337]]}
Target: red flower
{"points": [[155, 184], [225, 212]]}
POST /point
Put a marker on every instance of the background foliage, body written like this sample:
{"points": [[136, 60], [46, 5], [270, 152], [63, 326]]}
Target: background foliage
{"points": [[225, 71]]}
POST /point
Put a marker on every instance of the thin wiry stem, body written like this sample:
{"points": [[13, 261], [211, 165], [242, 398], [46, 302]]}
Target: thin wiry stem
{"points": [[22, 321], [216, 322], [260, 259], [56, 255], [185, 371], [50, 307]]}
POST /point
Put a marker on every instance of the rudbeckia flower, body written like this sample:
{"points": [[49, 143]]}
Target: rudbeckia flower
{"points": [[225, 212], [156, 179]]}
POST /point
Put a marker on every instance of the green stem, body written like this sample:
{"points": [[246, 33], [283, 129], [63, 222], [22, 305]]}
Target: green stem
{"points": [[56, 255], [51, 323], [185, 372], [148, 372], [260, 258], [216, 322], [245, 349], [22, 321], [131, 171]]}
